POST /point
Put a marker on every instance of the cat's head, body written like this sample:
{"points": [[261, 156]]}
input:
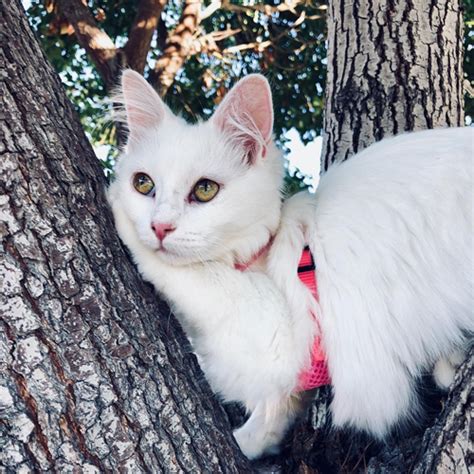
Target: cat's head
{"points": [[203, 192]]}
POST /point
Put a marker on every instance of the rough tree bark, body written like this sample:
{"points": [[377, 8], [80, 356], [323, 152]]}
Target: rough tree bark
{"points": [[392, 67], [95, 374]]}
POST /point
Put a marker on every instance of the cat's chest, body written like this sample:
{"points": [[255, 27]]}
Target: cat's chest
{"points": [[227, 310]]}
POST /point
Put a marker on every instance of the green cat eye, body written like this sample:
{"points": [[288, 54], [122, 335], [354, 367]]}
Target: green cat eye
{"points": [[143, 183], [205, 190]]}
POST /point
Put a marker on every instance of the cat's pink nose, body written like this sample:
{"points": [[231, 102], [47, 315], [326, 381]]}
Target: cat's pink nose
{"points": [[162, 229]]}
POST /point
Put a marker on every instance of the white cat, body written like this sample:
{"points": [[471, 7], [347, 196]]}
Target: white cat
{"points": [[390, 230]]}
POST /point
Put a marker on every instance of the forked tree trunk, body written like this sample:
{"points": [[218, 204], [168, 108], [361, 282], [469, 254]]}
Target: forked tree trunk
{"points": [[95, 374], [392, 67]]}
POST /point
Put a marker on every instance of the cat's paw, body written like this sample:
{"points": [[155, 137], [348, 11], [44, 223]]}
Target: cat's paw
{"points": [[443, 373], [445, 368], [254, 446]]}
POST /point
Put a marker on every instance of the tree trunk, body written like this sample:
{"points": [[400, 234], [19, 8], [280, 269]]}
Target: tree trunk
{"points": [[95, 373], [392, 66]]}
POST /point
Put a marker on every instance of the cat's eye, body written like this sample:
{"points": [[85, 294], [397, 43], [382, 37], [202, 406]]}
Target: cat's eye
{"points": [[143, 183], [204, 190]]}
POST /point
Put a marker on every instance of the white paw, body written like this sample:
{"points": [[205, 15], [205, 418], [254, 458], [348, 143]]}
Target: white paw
{"points": [[254, 446], [444, 370], [443, 373]]}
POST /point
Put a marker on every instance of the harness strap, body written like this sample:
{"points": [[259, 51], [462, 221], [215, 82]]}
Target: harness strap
{"points": [[306, 271], [317, 374]]}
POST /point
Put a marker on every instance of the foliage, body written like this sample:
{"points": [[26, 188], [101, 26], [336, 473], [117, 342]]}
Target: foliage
{"points": [[291, 56]]}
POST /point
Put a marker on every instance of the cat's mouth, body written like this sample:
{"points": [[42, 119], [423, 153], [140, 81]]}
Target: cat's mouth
{"points": [[167, 252], [172, 257], [162, 249], [176, 255]]}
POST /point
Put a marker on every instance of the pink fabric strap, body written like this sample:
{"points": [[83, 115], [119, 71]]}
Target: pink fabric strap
{"points": [[317, 375]]}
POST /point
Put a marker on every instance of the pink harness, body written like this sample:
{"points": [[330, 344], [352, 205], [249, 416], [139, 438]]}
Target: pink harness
{"points": [[317, 374]]}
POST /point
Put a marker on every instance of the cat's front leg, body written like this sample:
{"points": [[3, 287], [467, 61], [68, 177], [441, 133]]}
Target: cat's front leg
{"points": [[263, 432]]}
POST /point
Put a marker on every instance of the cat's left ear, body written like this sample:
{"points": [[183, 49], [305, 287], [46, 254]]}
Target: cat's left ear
{"points": [[144, 108], [246, 116]]}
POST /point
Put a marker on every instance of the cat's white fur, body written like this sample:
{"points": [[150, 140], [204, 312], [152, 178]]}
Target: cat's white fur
{"points": [[390, 230]]}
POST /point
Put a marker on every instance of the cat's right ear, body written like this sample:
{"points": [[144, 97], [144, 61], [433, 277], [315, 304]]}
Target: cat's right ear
{"points": [[143, 106]]}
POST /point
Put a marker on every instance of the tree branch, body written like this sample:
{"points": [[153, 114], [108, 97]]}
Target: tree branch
{"points": [[96, 42], [178, 47], [268, 10], [208, 43], [141, 33]]}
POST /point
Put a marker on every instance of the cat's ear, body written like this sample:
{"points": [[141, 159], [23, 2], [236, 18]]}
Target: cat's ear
{"points": [[246, 116], [143, 106]]}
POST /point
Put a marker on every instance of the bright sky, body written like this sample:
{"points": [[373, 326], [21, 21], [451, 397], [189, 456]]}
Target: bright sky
{"points": [[304, 158]]}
